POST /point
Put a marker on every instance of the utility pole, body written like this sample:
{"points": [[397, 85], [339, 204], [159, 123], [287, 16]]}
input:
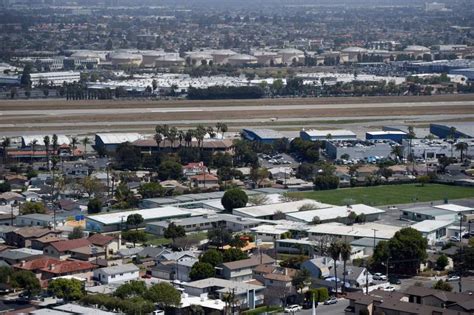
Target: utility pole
{"points": [[460, 252]]}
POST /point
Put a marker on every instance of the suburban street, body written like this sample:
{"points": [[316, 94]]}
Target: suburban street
{"points": [[335, 309]]}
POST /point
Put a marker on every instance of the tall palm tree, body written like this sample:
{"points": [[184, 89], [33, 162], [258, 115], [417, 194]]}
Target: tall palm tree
{"points": [[335, 251], [452, 136], [462, 146], [85, 142], [181, 136], [5, 144], [210, 131], [74, 143], [33, 149], [188, 137], [223, 129], [47, 142], [172, 135], [411, 135], [200, 133], [55, 144], [397, 151], [345, 256], [218, 127]]}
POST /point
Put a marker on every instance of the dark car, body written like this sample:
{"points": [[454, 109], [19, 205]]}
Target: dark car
{"points": [[394, 280]]}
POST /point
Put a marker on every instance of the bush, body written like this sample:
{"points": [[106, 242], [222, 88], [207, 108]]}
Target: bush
{"points": [[326, 182], [234, 198], [94, 206]]}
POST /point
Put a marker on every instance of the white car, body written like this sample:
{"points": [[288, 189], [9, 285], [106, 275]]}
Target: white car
{"points": [[389, 289], [454, 278], [293, 308]]}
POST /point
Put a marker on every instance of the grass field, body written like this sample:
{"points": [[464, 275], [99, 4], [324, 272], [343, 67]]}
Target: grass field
{"points": [[390, 194], [159, 241]]}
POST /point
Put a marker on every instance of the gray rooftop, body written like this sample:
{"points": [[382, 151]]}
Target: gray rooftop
{"points": [[225, 285], [206, 219], [428, 211], [20, 253], [265, 133], [119, 269]]}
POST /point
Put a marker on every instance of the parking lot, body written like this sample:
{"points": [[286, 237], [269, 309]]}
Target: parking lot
{"points": [[277, 160]]}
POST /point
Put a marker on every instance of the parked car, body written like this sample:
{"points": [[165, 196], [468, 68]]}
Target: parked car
{"points": [[394, 280], [330, 301], [454, 238], [389, 288], [454, 278], [293, 308], [379, 276]]}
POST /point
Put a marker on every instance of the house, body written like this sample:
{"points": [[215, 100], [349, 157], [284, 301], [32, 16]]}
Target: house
{"points": [[242, 270], [17, 182], [356, 277], [47, 268], [71, 205], [246, 295], [433, 230], [14, 256], [10, 198], [174, 269], [88, 253], [192, 169], [109, 244], [42, 242], [22, 237], [62, 249], [360, 303], [274, 276], [318, 267], [204, 180], [438, 298], [122, 273], [38, 219]]}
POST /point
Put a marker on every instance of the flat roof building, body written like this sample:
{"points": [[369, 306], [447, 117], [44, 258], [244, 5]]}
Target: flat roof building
{"points": [[353, 232], [396, 136], [261, 135], [461, 130], [110, 141], [321, 135], [337, 213], [116, 221], [364, 150]]}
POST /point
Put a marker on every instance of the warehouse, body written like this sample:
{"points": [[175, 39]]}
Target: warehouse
{"points": [[55, 78], [336, 214], [460, 130], [262, 135], [364, 150], [110, 141], [27, 141], [268, 211], [116, 221], [427, 213], [353, 232], [396, 136], [320, 135]]}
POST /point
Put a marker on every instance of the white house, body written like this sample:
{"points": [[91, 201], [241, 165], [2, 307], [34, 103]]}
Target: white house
{"points": [[122, 273]]}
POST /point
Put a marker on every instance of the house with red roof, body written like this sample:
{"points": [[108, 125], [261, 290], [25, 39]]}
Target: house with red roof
{"points": [[205, 180], [110, 244], [46, 268], [192, 169], [62, 249]]}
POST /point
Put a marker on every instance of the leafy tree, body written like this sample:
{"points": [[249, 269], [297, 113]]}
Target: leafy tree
{"points": [[423, 179], [316, 220], [326, 182], [77, 232], [5, 274], [351, 218], [127, 156], [442, 262], [94, 206], [279, 215], [219, 236], [92, 186], [170, 170], [300, 279], [443, 286], [25, 79], [27, 281], [212, 257], [30, 207], [294, 262], [151, 190], [135, 220], [125, 197], [131, 289], [202, 270], [134, 236], [233, 254], [234, 198], [462, 147], [67, 289], [361, 218], [319, 294], [4, 187], [164, 294], [174, 231]]}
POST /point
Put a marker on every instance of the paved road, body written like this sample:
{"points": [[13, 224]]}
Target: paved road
{"points": [[96, 111]]}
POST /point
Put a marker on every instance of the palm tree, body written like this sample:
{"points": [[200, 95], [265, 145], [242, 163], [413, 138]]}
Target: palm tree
{"points": [[200, 133], [411, 135], [452, 136], [188, 137], [335, 252], [218, 127], [181, 136], [172, 134], [55, 144], [223, 129], [462, 146], [33, 149], [158, 139], [210, 131], [85, 142], [397, 151], [5, 144], [46, 146], [345, 256], [74, 142]]}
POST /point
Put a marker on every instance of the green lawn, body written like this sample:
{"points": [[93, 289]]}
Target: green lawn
{"points": [[158, 241], [389, 194]]}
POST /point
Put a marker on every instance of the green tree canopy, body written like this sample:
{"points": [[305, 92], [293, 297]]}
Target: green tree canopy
{"points": [[27, 281], [233, 254], [134, 219], [30, 207], [67, 289], [170, 169], [202, 270], [212, 257], [94, 206], [301, 278], [234, 198], [163, 294], [77, 232], [134, 236], [443, 286], [131, 289], [151, 190], [174, 231]]}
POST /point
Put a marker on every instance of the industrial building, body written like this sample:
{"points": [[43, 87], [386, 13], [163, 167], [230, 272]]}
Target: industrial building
{"points": [[320, 135], [459, 130], [117, 221], [262, 135], [445, 212], [396, 136], [365, 150], [110, 141], [353, 232], [336, 214], [55, 78]]}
